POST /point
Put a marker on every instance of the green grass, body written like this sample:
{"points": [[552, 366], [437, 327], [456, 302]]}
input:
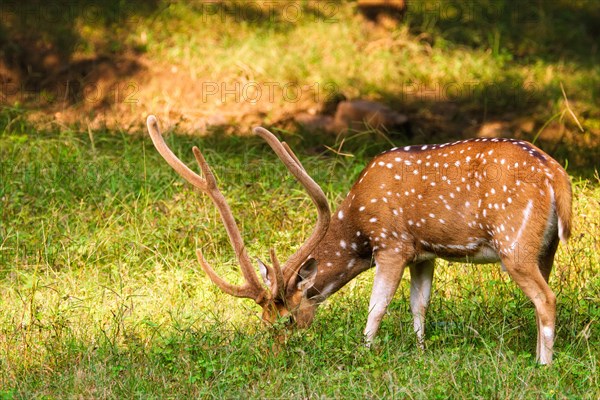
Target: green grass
{"points": [[101, 296], [100, 292]]}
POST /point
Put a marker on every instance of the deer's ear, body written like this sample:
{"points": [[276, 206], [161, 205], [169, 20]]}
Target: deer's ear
{"points": [[307, 275], [264, 272]]}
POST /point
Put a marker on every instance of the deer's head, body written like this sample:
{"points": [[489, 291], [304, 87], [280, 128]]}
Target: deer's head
{"points": [[282, 292]]}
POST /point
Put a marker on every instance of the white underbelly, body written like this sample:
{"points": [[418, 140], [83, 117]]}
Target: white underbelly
{"points": [[482, 254]]}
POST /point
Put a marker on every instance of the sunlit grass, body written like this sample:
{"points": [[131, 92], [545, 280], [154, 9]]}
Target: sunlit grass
{"points": [[101, 295]]}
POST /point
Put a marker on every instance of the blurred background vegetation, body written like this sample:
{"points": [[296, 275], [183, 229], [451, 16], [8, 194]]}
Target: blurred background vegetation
{"points": [[488, 67]]}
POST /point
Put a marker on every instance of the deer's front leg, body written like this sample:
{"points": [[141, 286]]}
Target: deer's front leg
{"points": [[421, 278], [388, 272]]}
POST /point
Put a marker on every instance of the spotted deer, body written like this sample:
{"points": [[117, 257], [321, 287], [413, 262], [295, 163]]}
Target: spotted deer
{"points": [[476, 200]]}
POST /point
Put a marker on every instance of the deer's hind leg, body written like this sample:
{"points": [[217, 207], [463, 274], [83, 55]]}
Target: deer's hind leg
{"points": [[546, 259], [421, 279], [529, 275]]}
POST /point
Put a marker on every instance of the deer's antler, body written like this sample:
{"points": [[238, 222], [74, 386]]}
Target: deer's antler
{"points": [[277, 276], [252, 288], [289, 159]]}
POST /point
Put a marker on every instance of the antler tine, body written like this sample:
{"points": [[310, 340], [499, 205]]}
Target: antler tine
{"points": [[171, 158], [252, 288], [293, 155], [217, 280], [289, 159], [238, 291], [277, 274]]}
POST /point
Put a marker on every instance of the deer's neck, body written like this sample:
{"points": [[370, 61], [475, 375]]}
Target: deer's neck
{"points": [[344, 253]]}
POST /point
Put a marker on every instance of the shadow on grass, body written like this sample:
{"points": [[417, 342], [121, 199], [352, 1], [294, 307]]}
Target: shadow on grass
{"points": [[46, 53], [553, 31], [279, 16]]}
